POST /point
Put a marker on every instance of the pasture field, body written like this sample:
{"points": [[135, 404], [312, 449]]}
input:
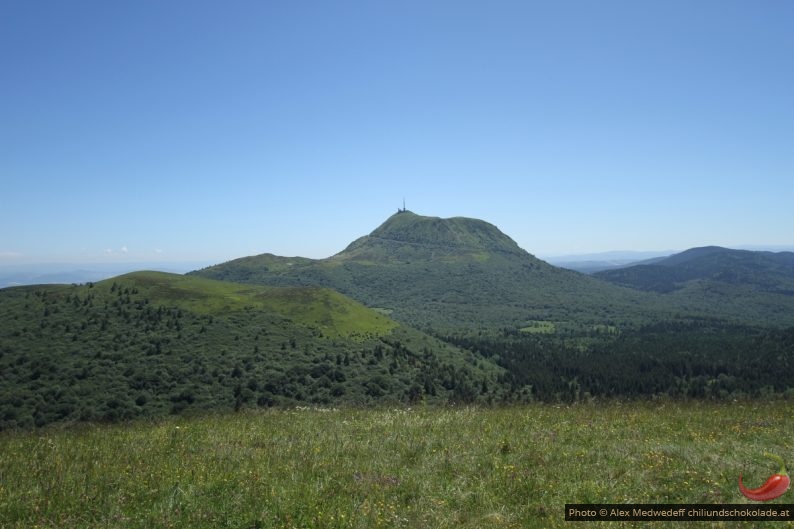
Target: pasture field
{"points": [[408, 467], [539, 327]]}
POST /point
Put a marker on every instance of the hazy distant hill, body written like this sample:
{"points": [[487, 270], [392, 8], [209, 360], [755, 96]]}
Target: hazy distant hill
{"points": [[454, 273], [597, 262], [149, 344], [760, 271], [66, 273]]}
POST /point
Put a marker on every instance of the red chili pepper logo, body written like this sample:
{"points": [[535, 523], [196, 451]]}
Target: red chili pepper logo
{"points": [[774, 487]]}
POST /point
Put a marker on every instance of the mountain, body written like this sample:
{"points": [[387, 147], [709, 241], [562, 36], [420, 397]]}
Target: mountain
{"points": [[558, 335], [462, 274], [148, 344], [759, 271], [406, 236], [456, 273]]}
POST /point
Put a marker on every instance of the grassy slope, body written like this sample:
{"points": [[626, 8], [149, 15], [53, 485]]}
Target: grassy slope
{"points": [[318, 308], [453, 467], [148, 344]]}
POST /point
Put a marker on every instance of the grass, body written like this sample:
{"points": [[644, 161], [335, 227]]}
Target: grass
{"points": [[421, 467], [320, 308], [329, 311], [539, 327]]}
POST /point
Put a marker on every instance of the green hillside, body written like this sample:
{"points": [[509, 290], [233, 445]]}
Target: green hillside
{"points": [[463, 274], [761, 271], [738, 285], [320, 309], [454, 273], [406, 236], [149, 344]]}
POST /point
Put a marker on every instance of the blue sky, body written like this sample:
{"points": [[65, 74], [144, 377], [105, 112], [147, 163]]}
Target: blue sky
{"points": [[193, 130]]}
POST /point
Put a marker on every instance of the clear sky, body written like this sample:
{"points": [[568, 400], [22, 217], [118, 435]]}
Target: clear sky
{"points": [[195, 130]]}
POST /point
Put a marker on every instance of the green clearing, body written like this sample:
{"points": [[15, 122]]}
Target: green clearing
{"points": [[421, 467], [606, 329], [539, 327]]}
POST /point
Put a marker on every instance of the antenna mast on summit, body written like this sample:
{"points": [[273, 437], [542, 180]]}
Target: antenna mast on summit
{"points": [[403, 203]]}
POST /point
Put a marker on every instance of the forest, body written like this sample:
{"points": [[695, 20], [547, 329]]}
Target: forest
{"points": [[701, 359], [112, 352]]}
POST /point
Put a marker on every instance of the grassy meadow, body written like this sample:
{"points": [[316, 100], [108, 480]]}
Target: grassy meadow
{"points": [[408, 467]]}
